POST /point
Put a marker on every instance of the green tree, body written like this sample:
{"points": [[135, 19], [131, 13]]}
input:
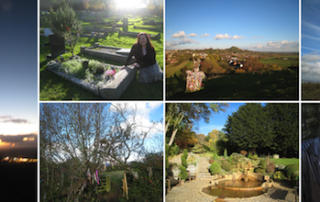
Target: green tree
{"points": [[249, 127], [179, 115], [285, 126], [64, 23]]}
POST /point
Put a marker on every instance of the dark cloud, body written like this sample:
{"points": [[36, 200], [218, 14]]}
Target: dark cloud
{"points": [[5, 6], [18, 140], [15, 121]]}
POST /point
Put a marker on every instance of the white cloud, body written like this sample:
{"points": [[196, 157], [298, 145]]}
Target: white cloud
{"points": [[192, 35], [277, 46], [310, 37], [310, 67], [182, 41], [205, 35], [227, 36], [181, 34], [142, 117], [256, 37], [312, 26]]}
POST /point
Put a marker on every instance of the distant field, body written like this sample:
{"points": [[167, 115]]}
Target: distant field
{"points": [[281, 62], [175, 69]]}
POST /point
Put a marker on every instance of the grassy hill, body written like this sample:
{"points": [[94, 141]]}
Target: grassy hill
{"points": [[271, 86]]}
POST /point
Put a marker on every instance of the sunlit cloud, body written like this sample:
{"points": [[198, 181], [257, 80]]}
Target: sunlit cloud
{"points": [[181, 34], [227, 36], [205, 35], [192, 35], [14, 128], [30, 139]]}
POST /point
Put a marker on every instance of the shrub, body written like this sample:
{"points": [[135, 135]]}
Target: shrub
{"points": [[215, 156], [174, 150], [292, 171], [225, 154], [215, 168], [184, 162], [271, 167], [244, 153], [185, 153], [278, 175], [198, 149], [254, 157], [226, 165], [183, 174], [259, 170], [262, 164], [64, 22]]}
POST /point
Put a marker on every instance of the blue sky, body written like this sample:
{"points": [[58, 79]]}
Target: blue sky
{"points": [[264, 25], [218, 120], [18, 77], [310, 40]]}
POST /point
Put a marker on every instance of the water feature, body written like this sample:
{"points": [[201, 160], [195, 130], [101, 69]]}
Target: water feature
{"points": [[235, 189]]}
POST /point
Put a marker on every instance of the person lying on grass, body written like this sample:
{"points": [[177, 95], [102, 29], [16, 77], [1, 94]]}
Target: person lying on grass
{"points": [[145, 55]]}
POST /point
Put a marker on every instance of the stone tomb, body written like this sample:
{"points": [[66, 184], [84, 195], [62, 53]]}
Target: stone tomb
{"points": [[111, 89], [57, 46], [135, 34], [114, 54]]}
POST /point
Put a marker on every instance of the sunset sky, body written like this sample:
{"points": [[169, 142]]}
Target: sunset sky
{"points": [[264, 25], [18, 76]]}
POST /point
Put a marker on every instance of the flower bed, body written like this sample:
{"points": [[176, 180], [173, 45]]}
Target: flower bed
{"points": [[105, 80]]}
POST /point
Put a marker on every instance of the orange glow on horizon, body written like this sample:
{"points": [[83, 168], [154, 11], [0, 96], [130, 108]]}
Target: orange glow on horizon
{"points": [[28, 139], [4, 143]]}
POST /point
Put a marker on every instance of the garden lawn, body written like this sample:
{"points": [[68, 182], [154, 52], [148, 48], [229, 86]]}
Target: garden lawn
{"points": [[53, 87], [285, 161]]}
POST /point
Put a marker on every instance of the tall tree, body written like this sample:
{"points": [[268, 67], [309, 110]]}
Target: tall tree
{"points": [[180, 114], [85, 136], [285, 126], [249, 127]]}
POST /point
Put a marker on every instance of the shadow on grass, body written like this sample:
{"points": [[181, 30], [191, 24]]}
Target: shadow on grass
{"points": [[270, 85]]}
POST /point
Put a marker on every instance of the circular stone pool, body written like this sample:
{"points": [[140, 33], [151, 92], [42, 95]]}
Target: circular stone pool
{"points": [[235, 189]]}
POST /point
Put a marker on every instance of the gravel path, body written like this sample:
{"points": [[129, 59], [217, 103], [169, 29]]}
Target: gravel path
{"points": [[189, 192]]}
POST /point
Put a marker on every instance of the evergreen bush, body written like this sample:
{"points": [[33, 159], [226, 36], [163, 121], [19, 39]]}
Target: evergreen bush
{"points": [[184, 162], [292, 171], [226, 165], [262, 164], [225, 154], [183, 174], [185, 153], [254, 157], [64, 23], [215, 168], [198, 149]]}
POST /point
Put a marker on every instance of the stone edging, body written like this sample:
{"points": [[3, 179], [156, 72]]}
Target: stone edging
{"points": [[231, 199], [113, 89]]}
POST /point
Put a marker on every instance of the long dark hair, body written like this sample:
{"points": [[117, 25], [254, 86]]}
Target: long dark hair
{"points": [[149, 44]]}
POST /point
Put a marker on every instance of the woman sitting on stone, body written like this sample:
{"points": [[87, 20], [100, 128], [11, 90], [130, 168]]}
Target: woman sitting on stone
{"points": [[145, 55]]}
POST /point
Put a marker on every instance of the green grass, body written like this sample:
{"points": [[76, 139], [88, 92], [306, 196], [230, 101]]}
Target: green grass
{"points": [[174, 69], [53, 87], [281, 62], [270, 85], [285, 161]]}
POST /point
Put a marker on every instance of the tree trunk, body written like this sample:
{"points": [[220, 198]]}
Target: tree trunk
{"points": [[173, 136]]}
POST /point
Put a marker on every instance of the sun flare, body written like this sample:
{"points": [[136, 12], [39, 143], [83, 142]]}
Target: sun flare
{"points": [[129, 4]]}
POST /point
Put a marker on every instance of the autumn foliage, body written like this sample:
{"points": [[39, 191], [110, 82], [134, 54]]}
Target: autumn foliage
{"points": [[252, 64]]}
